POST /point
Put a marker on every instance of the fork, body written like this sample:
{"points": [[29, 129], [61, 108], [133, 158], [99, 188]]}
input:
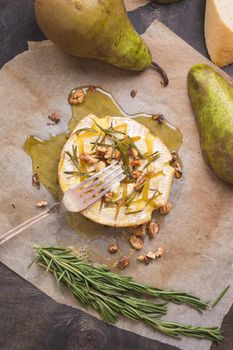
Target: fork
{"points": [[76, 199]]}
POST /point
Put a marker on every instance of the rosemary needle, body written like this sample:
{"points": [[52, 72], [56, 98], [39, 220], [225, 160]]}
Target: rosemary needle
{"points": [[114, 295], [219, 297]]}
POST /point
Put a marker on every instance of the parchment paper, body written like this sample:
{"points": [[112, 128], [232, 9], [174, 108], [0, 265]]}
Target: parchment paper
{"points": [[133, 4], [197, 234]]}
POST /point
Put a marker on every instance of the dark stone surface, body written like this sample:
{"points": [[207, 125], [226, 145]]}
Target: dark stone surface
{"points": [[30, 320]]}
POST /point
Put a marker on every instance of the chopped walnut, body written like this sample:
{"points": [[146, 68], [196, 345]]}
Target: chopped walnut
{"points": [[158, 117], [135, 163], [136, 242], [88, 159], [100, 166], [54, 117], [108, 154], [139, 183], [165, 209], [133, 93], [144, 259], [123, 262], [108, 196], [159, 252], [76, 97], [42, 204], [135, 174], [133, 153], [151, 255], [139, 230], [101, 150], [117, 154], [91, 88], [36, 181], [178, 171], [113, 248], [152, 229]]}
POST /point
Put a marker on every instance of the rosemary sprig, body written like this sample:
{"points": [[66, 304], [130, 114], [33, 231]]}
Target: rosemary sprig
{"points": [[85, 129], [114, 295], [151, 158]]}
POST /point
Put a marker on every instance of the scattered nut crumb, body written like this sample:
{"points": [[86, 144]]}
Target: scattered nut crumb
{"points": [[153, 229], [91, 88], [36, 181], [117, 154], [108, 154], [113, 248], [139, 230], [76, 96], [178, 171], [108, 196], [123, 262], [136, 242], [88, 159], [139, 183], [13, 206], [133, 93], [165, 209], [159, 252], [135, 174], [151, 255], [42, 204], [144, 259], [54, 117], [158, 117], [100, 166]]}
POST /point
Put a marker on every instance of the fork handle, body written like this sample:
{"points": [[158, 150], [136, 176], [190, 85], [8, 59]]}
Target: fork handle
{"points": [[16, 230]]}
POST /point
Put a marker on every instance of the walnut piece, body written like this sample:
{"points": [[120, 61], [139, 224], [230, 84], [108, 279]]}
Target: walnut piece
{"points": [[139, 183], [178, 171], [144, 259], [159, 252], [133, 93], [139, 230], [117, 154], [108, 196], [158, 117], [101, 150], [113, 248], [174, 156], [165, 209], [153, 229], [42, 204], [54, 117], [135, 174], [123, 262], [36, 181], [76, 97], [108, 154], [151, 255], [136, 242], [135, 163], [88, 159]]}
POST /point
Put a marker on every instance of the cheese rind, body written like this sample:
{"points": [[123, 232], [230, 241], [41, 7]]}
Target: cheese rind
{"points": [[219, 31]]}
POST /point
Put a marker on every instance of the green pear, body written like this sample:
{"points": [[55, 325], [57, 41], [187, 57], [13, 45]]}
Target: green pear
{"points": [[96, 29], [211, 98]]}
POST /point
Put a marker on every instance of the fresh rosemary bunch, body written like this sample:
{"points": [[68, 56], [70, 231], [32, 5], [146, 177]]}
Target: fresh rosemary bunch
{"points": [[114, 295]]}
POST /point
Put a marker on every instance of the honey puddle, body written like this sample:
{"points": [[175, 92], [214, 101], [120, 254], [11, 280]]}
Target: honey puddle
{"points": [[45, 157]]}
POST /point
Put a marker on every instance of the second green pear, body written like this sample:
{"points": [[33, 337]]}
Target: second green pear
{"points": [[211, 97], [98, 29]]}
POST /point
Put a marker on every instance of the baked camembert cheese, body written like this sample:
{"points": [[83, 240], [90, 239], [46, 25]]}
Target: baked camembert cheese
{"points": [[94, 144]]}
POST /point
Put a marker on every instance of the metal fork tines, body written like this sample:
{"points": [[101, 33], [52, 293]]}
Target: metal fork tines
{"points": [[78, 198]]}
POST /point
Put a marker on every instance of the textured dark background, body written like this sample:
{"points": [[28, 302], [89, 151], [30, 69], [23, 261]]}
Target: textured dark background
{"points": [[30, 320]]}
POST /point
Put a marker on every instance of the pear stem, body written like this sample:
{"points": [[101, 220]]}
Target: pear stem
{"points": [[163, 74]]}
